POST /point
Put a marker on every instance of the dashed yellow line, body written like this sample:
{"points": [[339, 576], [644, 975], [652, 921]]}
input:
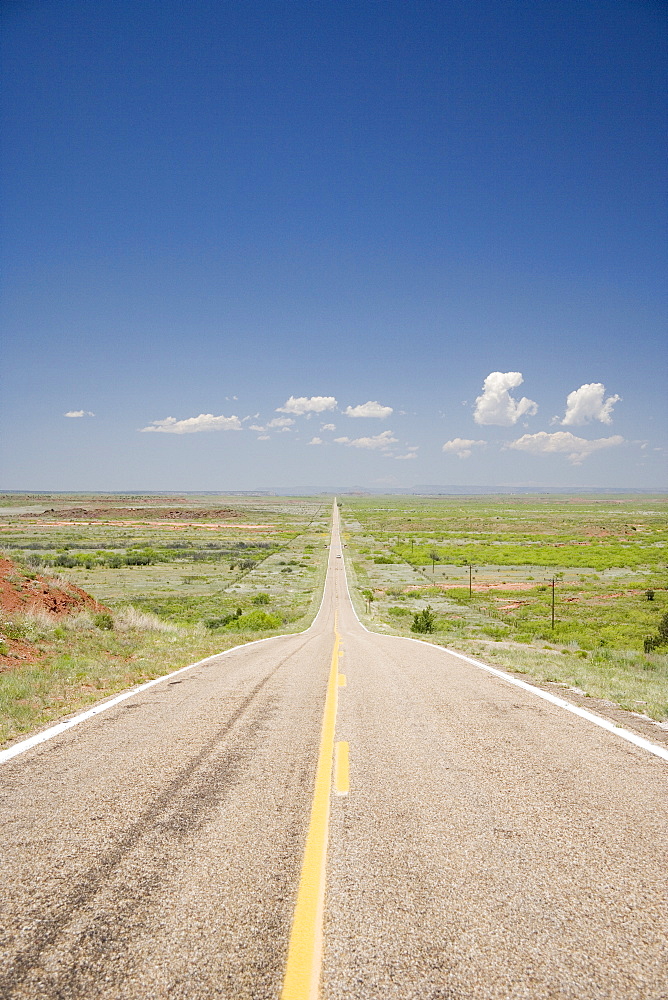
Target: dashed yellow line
{"points": [[342, 680], [302, 972]]}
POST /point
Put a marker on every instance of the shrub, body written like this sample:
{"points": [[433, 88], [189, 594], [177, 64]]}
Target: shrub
{"points": [[103, 620], [424, 620], [254, 621], [261, 599], [663, 630]]}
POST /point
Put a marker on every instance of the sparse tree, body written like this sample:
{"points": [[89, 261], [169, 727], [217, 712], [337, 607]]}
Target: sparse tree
{"points": [[424, 621], [434, 556]]}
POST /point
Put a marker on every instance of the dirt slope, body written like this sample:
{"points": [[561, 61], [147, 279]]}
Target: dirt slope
{"points": [[22, 592]]}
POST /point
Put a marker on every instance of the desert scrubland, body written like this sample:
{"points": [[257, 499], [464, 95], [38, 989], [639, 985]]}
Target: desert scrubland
{"points": [[172, 580], [103, 592], [485, 566]]}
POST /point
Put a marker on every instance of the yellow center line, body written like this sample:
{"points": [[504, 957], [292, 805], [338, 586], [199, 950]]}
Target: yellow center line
{"points": [[342, 680], [302, 971]]}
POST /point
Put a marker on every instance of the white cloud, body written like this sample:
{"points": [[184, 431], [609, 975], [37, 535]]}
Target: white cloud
{"points": [[193, 425], [410, 454], [257, 427], [372, 408], [575, 448], [315, 440], [78, 413], [462, 447], [307, 404], [283, 422], [328, 427], [264, 437], [587, 403], [496, 405], [377, 442]]}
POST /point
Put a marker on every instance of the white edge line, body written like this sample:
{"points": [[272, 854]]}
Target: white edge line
{"points": [[61, 727], [583, 713]]}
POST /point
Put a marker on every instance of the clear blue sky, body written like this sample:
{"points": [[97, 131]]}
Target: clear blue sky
{"points": [[210, 208]]}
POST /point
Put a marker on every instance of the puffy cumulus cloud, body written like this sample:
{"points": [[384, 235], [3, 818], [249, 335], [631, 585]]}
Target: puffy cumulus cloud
{"points": [[78, 413], [461, 447], [379, 442], [588, 403], [328, 427], [497, 406], [575, 448], [315, 440], [193, 425], [372, 408], [299, 405]]}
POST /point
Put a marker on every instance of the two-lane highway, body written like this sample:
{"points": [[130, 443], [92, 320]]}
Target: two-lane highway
{"points": [[491, 844]]}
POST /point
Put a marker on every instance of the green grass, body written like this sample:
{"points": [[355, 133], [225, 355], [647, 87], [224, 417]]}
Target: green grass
{"points": [[166, 611], [604, 553]]}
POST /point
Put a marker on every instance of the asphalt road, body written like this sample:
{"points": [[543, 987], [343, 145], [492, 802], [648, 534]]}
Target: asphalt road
{"points": [[491, 845]]}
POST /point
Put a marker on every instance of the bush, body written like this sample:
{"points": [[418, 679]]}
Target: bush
{"points": [[254, 621], [261, 599], [663, 630], [103, 620], [424, 620]]}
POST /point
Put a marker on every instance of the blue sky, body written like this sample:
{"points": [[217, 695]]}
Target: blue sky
{"points": [[453, 211]]}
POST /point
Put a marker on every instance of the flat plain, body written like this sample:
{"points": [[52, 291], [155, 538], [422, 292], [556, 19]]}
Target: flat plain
{"points": [[495, 570], [177, 578], [182, 577]]}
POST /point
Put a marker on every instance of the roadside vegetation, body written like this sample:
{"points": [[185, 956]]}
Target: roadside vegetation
{"points": [[571, 590], [165, 594]]}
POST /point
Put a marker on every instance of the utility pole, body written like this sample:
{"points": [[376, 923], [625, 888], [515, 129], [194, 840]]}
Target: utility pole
{"points": [[552, 602], [470, 579]]}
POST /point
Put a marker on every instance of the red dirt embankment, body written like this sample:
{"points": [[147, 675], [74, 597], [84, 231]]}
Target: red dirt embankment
{"points": [[20, 592], [119, 513]]}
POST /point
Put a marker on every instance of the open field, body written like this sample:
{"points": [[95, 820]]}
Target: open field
{"points": [[485, 566], [183, 577], [178, 578]]}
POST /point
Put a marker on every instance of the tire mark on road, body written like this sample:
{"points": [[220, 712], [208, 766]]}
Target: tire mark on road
{"points": [[179, 810]]}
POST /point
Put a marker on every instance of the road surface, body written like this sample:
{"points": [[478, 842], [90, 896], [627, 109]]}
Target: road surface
{"points": [[481, 843]]}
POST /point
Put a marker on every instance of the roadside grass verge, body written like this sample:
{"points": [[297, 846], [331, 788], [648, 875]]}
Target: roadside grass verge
{"points": [[176, 594], [607, 556], [636, 682], [82, 662]]}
